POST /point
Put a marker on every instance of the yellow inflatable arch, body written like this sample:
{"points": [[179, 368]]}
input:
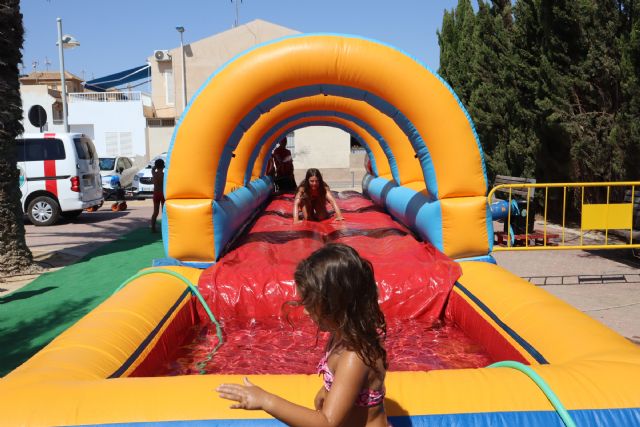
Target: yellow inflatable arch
{"points": [[418, 134], [355, 115], [380, 159]]}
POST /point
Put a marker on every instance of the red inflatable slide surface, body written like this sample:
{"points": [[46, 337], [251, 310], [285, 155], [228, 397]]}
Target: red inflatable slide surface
{"points": [[255, 279], [249, 287]]}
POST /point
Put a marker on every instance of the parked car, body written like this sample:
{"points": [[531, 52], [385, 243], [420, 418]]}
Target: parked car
{"points": [[143, 180], [119, 166], [59, 176]]}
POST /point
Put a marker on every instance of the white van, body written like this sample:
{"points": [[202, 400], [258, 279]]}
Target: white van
{"points": [[59, 175]]}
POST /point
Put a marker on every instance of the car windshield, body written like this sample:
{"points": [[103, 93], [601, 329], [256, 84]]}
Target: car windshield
{"points": [[107, 163]]}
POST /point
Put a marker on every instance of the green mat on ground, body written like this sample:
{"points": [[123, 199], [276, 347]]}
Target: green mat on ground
{"points": [[35, 314]]}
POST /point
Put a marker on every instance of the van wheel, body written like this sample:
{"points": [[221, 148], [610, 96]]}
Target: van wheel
{"points": [[43, 210], [71, 214]]}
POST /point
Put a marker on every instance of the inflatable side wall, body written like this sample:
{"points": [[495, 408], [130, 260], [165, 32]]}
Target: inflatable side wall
{"points": [[460, 227], [82, 377]]}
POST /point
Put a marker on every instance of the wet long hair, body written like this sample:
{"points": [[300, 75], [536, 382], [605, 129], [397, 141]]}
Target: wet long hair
{"points": [[338, 288], [322, 188]]}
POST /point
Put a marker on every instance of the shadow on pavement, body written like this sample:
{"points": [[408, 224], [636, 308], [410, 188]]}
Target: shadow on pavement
{"points": [[22, 340], [15, 296], [86, 218], [34, 315], [140, 239], [97, 238], [623, 256]]}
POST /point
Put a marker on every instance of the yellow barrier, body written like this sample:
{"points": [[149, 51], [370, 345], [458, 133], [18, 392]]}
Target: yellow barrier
{"points": [[610, 215]]}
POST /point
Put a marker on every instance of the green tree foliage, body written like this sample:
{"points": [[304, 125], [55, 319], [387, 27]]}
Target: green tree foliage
{"points": [[553, 86], [626, 127], [456, 47], [492, 94]]}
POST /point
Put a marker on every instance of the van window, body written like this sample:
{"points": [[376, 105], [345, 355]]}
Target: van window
{"points": [[38, 149], [20, 150], [84, 148]]}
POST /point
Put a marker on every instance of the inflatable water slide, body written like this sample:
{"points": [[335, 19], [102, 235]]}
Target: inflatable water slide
{"points": [[469, 343]]}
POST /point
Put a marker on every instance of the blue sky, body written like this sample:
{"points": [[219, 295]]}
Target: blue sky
{"points": [[117, 34]]}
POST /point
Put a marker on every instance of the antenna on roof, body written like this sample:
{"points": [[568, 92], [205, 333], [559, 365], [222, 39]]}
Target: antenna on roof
{"points": [[34, 65], [46, 63], [237, 22]]}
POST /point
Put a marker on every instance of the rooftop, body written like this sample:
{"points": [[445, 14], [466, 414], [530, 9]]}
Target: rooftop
{"points": [[47, 76]]}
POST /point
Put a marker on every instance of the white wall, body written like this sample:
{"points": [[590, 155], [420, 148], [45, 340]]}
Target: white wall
{"points": [[321, 147], [87, 129], [112, 120], [38, 95], [202, 58], [159, 139]]}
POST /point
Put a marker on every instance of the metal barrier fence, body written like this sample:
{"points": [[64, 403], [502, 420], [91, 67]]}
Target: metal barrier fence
{"points": [[598, 207]]}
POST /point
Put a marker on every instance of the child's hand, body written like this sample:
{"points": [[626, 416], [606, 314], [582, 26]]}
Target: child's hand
{"points": [[248, 395], [339, 218]]}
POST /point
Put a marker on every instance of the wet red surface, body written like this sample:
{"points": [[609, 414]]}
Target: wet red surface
{"points": [[273, 347], [255, 279], [249, 287]]}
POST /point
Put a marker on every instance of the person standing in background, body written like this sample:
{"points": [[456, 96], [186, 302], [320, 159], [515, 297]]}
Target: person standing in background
{"points": [[283, 165], [158, 196]]}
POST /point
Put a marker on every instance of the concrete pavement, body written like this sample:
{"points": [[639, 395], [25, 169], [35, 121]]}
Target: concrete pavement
{"points": [[67, 241], [604, 284]]}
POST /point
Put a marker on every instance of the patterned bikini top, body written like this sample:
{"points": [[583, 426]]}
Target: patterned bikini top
{"points": [[366, 397]]}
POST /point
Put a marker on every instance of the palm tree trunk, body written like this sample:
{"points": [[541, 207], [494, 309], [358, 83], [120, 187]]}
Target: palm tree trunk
{"points": [[15, 256]]}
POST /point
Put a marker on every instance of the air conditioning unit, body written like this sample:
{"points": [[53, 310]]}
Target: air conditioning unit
{"points": [[162, 55]]}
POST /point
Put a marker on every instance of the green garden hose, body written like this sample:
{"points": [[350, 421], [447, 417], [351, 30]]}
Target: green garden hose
{"points": [[558, 406], [193, 289]]}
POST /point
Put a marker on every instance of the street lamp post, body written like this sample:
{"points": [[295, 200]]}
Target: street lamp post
{"points": [[65, 41], [184, 69]]}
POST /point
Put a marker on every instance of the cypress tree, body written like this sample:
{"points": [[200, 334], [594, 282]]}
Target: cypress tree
{"points": [[595, 96], [456, 49], [626, 127], [553, 86], [493, 97], [524, 143]]}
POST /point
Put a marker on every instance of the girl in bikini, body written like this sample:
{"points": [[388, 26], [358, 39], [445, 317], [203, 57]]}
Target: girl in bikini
{"points": [[312, 197], [338, 291]]}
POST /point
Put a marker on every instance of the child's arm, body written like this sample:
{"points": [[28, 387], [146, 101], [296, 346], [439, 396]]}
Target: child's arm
{"points": [[332, 200], [350, 375], [296, 207]]}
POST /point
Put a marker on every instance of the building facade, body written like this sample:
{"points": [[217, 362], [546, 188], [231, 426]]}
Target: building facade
{"points": [[141, 126], [43, 88], [204, 57], [115, 121]]}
